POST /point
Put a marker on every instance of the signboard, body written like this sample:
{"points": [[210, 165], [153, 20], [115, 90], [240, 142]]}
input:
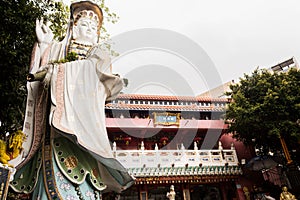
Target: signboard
{"points": [[166, 119]]}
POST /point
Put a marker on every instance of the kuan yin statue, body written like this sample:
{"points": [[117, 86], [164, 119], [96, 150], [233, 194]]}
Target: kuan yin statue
{"points": [[67, 154]]}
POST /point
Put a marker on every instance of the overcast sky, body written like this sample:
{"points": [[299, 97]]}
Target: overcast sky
{"points": [[237, 35]]}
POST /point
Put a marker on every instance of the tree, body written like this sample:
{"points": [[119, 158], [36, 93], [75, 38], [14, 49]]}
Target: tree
{"points": [[265, 107], [17, 36]]}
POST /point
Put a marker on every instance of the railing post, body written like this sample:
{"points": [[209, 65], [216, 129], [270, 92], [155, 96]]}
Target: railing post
{"points": [[195, 146], [142, 146], [115, 149], [156, 153]]}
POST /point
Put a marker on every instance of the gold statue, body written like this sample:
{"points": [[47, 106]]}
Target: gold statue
{"points": [[246, 192], [13, 148], [285, 195]]}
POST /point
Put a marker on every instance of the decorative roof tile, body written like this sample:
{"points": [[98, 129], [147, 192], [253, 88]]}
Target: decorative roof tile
{"points": [[171, 98], [163, 107]]}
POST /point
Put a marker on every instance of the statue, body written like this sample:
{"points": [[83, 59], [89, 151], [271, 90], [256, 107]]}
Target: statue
{"points": [[285, 195], [12, 149], [67, 154], [171, 194], [246, 192]]}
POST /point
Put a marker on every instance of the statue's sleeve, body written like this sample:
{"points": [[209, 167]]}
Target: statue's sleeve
{"points": [[112, 83]]}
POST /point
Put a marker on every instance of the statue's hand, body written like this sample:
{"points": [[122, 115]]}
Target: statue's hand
{"points": [[43, 32]]}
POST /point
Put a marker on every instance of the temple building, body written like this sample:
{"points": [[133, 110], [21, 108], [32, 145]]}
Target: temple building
{"points": [[179, 141]]}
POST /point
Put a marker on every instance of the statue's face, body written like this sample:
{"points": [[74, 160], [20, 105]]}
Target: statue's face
{"points": [[86, 31]]}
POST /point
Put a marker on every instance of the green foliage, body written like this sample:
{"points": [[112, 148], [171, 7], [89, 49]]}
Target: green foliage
{"points": [[71, 56], [59, 17], [264, 107], [17, 34]]}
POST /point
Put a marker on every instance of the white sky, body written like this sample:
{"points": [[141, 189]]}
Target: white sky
{"points": [[238, 35]]}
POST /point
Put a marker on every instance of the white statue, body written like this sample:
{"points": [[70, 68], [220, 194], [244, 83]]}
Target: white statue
{"points": [[171, 195], [68, 146]]}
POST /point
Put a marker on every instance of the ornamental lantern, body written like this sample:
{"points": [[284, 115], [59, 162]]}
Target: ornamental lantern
{"points": [[164, 140], [197, 139], [127, 140]]}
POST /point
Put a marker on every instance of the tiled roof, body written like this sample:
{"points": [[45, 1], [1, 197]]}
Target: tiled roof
{"points": [[163, 107], [185, 171], [170, 98]]}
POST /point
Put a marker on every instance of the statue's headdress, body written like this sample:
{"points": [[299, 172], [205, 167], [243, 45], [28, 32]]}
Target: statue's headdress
{"points": [[83, 9]]}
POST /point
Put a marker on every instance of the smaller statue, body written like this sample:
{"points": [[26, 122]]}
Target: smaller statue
{"points": [[246, 192], [286, 195], [268, 196], [171, 194], [13, 148]]}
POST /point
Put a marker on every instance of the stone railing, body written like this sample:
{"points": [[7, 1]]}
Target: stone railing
{"points": [[169, 158]]}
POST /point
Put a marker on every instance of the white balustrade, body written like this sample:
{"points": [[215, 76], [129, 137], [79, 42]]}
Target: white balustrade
{"points": [[177, 158]]}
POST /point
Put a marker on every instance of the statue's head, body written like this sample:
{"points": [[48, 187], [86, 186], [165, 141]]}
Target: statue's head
{"points": [[87, 20], [284, 188], [172, 187]]}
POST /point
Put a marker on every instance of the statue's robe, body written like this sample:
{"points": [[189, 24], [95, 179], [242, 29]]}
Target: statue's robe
{"points": [[67, 148]]}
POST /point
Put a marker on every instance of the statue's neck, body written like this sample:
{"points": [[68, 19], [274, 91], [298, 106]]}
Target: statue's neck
{"points": [[79, 48]]}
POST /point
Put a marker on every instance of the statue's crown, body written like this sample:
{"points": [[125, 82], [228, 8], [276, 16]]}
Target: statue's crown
{"points": [[86, 8]]}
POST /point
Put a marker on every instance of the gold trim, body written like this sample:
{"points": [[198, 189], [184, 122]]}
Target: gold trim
{"points": [[47, 160], [71, 162]]}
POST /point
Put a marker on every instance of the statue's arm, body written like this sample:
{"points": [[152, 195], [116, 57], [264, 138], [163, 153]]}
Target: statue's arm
{"points": [[44, 35], [43, 75], [113, 83], [38, 76]]}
